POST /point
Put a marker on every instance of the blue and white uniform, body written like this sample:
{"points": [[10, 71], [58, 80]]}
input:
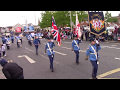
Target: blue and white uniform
{"points": [[76, 48], [92, 53], [49, 49], [18, 41], [36, 42]]}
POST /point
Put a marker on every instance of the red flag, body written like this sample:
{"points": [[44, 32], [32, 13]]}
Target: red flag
{"points": [[78, 31], [55, 32]]}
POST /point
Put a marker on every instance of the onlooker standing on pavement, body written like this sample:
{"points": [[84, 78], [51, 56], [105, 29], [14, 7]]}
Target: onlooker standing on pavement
{"points": [[49, 49], [11, 70], [92, 53], [76, 48], [36, 43]]}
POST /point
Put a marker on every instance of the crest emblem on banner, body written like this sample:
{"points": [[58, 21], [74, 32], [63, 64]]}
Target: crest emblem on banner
{"points": [[97, 23]]}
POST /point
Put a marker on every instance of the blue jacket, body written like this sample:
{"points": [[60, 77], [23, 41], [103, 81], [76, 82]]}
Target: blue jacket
{"points": [[4, 40], [12, 37], [74, 46], [17, 38], [36, 42], [8, 39], [90, 52], [49, 51], [29, 37]]}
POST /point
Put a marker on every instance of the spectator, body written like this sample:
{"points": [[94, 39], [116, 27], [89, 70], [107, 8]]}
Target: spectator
{"points": [[11, 70]]}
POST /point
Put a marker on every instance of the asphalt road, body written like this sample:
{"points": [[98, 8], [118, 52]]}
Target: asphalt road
{"points": [[37, 67]]}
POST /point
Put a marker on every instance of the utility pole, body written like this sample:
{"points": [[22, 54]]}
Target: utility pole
{"points": [[71, 21]]}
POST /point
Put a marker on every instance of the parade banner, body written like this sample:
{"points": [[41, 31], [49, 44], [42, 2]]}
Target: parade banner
{"points": [[18, 29], [96, 22], [31, 29]]}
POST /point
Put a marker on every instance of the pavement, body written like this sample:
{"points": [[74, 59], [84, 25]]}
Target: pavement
{"points": [[37, 67]]}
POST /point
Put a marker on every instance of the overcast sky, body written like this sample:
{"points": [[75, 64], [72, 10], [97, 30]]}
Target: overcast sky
{"points": [[10, 18]]}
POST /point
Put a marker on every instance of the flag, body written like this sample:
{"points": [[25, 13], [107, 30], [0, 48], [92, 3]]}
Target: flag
{"points": [[97, 24], [78, 31], [55, 32]]}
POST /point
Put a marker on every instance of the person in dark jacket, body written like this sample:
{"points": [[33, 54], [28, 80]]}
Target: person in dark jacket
{"points": [[11, 70]]}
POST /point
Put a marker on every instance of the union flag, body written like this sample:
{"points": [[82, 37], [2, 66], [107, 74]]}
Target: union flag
{"points": [[55, 32]]}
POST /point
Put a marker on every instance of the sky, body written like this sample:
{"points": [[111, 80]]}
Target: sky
{"points": [[11, 18]]}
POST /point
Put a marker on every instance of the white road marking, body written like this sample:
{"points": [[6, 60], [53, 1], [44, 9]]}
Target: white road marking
{"points": [[71, 49], [117, 58], [60, 53], [28, 58], [109, 47], [113, 45], [29, 49], [48, 59], [40, 55], [82, 51], [66, 47], [67, 42]]}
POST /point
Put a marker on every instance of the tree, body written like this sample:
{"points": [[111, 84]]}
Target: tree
{"points": [[62, 18], [82, 16], [46, 19], [113, 19], [107, 16]]}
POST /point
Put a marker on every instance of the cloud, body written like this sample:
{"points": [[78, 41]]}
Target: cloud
{"points": [[10, 18]]}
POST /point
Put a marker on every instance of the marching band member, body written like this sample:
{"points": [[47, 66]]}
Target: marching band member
{"points": [[92, 53], [49, 49], [12, 38], [21, 36], [3, 48], [8, 42], [30, 39], [18, 41], [36, 43], [76, 48]]}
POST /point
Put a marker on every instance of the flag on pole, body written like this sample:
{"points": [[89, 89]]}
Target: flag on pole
{"points": [[78, 31], [55, 32]]}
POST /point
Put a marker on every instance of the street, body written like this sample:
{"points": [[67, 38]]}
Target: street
{"points": [[37, 67]]}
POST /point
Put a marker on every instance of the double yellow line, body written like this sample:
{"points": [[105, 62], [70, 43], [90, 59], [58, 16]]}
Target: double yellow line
{"points": [[108, 73]]}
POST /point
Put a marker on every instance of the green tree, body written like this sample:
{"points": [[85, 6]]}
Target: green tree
{"points": [[46, 19], [62, 18], [107, 16], [82, 16], [113, 19]]}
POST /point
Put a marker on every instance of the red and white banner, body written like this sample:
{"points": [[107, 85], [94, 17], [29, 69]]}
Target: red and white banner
{"points": [[18, 29], [78, 31]]}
